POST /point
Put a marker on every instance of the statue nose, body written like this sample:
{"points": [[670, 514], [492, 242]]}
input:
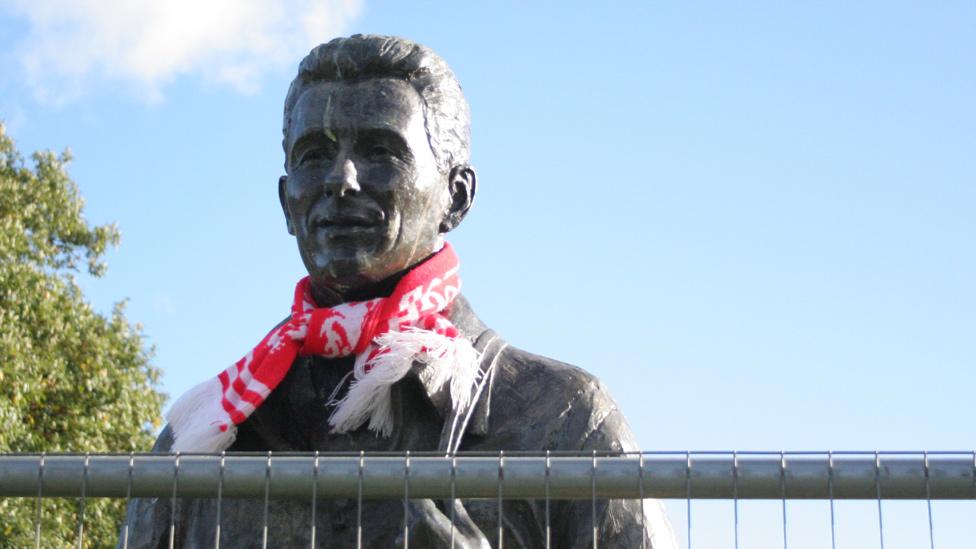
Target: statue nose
{"points": [[342, 178]]}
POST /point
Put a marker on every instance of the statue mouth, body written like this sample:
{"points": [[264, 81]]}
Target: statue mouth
{"points": [[347, 222]]}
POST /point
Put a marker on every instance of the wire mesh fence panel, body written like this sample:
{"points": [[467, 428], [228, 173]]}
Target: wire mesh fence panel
{"points": [[713, 499], [906, 524]]}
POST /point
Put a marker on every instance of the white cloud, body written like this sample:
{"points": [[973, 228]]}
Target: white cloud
{"points": [[148, 43]]}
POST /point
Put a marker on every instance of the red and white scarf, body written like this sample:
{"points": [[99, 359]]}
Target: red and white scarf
{"points": [[388, 335]]}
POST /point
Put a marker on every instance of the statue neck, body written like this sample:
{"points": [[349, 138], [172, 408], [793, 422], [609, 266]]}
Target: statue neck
{"points": [[326, 296], [330, 297]]}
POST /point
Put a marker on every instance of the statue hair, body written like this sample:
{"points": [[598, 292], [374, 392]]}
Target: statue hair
{"points": [[447, 118]]}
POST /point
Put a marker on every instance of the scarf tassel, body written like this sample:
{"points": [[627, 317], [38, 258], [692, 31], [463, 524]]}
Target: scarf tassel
{"points": [[192, 435], [443, 360]]}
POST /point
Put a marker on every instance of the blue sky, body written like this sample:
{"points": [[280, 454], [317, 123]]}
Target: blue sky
{"points": [[753, 221]]}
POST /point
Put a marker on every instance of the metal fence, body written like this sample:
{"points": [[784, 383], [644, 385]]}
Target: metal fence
{"points": [[688, 480]]}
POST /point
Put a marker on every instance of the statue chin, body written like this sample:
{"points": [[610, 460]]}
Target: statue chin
{"points": [[356, 275], [364, 268]]}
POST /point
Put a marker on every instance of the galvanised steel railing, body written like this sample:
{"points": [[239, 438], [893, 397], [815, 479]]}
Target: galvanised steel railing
{"points": [[735, 476]]}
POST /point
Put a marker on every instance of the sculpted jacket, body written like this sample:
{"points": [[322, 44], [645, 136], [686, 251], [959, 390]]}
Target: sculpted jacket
{"points": [[529, 403]]}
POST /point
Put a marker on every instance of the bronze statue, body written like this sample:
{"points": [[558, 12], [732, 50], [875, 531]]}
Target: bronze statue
{"points": [[381, 352]]}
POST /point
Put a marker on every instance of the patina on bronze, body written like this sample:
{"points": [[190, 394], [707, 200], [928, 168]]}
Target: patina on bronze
{"points": [[376, 140], [366, 196]]}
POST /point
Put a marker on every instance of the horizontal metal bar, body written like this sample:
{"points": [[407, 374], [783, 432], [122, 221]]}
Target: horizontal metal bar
{"points": [[711, 476]]}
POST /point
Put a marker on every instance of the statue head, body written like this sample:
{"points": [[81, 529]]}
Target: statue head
{"points": [[376, 140]]}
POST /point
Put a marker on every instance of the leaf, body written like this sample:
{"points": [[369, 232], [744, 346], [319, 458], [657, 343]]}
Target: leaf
{"points": [[70, 378]]}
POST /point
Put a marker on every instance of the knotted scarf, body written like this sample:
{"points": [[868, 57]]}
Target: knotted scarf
{"points": [[388, 336]]}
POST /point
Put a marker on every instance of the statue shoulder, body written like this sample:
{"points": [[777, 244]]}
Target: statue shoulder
{"points": [[548, 374], [571, 408], [164, 441]]}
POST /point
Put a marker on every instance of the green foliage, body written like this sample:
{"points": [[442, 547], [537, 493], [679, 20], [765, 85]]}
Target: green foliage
{"points": [[70, 378]]}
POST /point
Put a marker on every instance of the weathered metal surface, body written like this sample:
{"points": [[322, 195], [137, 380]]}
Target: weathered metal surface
{"points": [[524, 477]]}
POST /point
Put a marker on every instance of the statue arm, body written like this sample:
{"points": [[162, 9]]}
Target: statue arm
{"points": [[619, 523], [149, 519]]}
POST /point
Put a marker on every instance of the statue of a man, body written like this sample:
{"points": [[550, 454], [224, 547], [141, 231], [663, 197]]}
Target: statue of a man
{"points": [[380, 351]]}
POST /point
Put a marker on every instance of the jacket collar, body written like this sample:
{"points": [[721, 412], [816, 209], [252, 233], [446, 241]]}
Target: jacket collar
{"points": [[488, 344]]}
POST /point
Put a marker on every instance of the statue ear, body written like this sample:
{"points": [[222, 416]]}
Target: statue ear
{"points": [[282, 182], [462, 184]]}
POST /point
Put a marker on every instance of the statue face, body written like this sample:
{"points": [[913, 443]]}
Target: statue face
{"points": [[363, 195]]}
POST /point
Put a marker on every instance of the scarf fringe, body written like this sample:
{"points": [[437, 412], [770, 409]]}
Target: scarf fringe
{"points": [[444, 360], [192, 435]]}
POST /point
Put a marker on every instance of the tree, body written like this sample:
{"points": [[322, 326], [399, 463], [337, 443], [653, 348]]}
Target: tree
{"points": [[70, 378]]}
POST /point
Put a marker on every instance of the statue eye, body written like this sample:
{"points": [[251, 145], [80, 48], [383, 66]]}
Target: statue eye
{"points": [[312, 156], [380, 152]]}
